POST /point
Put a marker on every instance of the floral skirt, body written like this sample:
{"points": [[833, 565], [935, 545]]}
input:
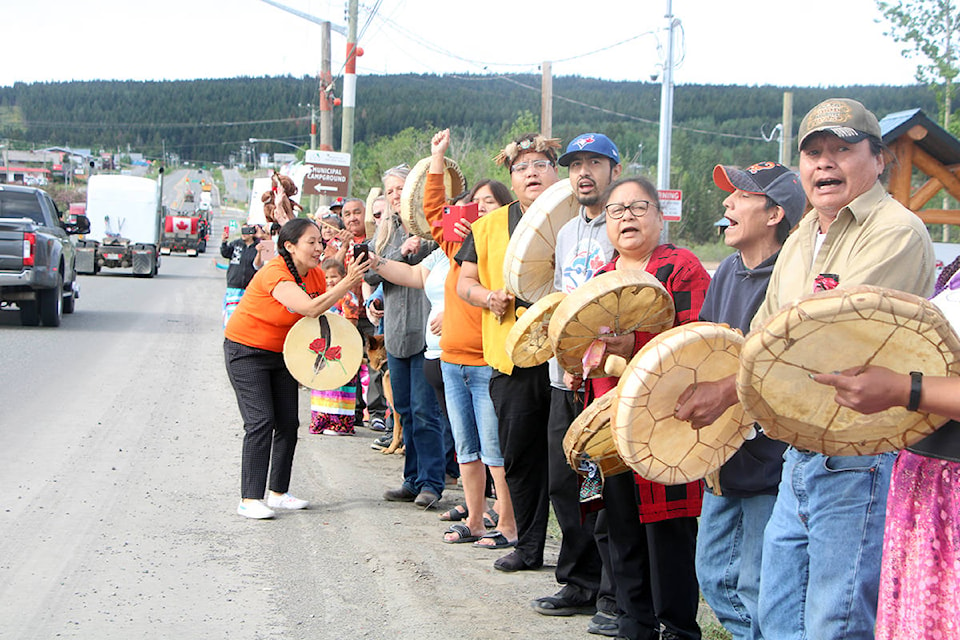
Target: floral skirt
{"points": [[920, 576], [334, 410]]}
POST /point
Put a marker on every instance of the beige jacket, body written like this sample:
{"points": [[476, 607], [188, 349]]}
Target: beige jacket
{"points": [[874, 240]]}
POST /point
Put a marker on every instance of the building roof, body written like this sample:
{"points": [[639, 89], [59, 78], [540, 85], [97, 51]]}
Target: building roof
{"points": [[938, 142]]}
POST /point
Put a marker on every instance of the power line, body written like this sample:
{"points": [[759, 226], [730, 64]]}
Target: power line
{"points": [[622, 115], [162, 125]]}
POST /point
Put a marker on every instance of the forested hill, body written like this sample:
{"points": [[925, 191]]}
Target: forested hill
{"points": [[208, 119]]}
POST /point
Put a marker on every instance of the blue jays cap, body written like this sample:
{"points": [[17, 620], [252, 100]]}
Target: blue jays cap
{"points": [[590, 143], [767, 178]]}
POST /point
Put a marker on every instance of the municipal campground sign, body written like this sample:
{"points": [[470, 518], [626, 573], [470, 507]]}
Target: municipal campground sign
{"points": [[328, 175]]}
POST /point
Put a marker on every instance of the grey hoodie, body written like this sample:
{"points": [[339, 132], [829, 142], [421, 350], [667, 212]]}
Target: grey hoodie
{"points": [[582, 248]]}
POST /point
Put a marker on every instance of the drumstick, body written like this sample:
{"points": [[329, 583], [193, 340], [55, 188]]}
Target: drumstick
{"points": [[614, 365], [327, 224]]}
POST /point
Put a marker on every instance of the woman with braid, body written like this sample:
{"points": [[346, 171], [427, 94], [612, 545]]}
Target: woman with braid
{"points": [[287, 288]]}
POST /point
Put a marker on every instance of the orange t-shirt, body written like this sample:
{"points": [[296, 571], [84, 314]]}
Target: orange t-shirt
{"points": [[460, 341], [260, 321]]}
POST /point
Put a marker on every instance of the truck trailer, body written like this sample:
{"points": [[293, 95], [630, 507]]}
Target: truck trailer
{"points": [[126, 225]]}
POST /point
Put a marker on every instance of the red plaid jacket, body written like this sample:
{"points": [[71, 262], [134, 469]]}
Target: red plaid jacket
{"points": [[684, 277]]}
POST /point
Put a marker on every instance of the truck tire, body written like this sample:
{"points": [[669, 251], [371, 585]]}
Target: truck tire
{"points": [[202, 248], [69, 301], [50, 302], [29, 316]]}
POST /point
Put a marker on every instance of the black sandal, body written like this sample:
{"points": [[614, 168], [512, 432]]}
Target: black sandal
{"points": [[454, 515]]}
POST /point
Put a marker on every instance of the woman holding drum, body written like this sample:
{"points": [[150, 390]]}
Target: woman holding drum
{"points": [[652, 527], [287, 288]]}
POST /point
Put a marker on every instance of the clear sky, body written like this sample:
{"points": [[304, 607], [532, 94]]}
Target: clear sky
{"points": [[739, 42]]}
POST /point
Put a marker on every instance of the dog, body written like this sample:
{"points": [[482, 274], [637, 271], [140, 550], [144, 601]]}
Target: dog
{"points": [[377, 360]]}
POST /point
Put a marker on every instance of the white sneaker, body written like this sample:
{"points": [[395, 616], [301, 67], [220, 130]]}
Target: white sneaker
{"points": [[286, 501], [256, 510]]}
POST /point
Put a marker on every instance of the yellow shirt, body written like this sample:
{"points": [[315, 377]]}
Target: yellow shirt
{"points": [[491, 235]]}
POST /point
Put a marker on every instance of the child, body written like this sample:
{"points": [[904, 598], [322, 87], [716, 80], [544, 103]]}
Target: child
{"points": [[332, 412]]}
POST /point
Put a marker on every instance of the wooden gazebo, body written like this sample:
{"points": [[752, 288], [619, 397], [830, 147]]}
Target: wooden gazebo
{"points": [[919, 142]]}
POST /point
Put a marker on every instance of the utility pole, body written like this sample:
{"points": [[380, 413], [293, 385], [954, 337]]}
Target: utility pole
{"points": [[350, 85], [786, 130], [666, 116], [326, 79], [546, 101]]}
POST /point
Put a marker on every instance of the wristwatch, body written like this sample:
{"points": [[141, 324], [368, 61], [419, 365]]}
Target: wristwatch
{"points": [[916, 382]]}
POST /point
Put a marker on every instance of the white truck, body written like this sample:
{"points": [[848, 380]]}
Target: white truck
{"points": [[255, 210], [126, 225]]}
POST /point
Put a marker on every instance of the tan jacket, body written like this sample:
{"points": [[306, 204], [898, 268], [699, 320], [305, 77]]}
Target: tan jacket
{"points": [[874, 240]]}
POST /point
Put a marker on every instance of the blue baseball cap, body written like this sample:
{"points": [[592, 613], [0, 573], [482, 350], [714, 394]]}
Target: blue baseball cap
{"points": [[590, 143]]}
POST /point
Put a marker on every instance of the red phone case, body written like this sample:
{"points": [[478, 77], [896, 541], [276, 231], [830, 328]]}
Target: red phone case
{"points": [[453, 214]]}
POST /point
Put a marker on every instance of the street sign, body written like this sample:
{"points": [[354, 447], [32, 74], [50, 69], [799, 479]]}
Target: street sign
{"points": [[671, 204], [329, 174], [233, 225]]}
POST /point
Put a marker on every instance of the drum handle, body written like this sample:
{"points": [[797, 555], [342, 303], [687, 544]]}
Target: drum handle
{"points": [[615, 365]]}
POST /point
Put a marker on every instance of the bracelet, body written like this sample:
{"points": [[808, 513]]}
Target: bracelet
{"points": [[916, 382], [487, 302]]}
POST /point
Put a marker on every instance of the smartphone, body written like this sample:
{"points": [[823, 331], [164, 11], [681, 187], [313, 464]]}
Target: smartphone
{"points": [[454, 214], [226, 230], [360, 252]]}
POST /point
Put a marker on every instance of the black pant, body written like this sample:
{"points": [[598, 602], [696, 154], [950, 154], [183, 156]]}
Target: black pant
{"points": [[579, 561], [607, 593], [522, 403], [653, 566], [267, 397]]}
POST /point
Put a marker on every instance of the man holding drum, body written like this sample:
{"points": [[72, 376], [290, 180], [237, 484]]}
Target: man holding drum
{"points": [[520, 395], [822, 545], [765, 202], [582, 248]]}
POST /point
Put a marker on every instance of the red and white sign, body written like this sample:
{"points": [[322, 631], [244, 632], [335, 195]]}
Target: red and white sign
{"points": [[671, 204]]}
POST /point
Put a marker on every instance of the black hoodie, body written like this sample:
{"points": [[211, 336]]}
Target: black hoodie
{"points": [[734, 296]]}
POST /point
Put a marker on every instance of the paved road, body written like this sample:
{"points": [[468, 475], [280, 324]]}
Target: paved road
{"points": [[119, 463]]}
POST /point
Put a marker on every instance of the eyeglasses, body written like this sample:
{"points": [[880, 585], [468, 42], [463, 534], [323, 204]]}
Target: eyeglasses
{"points": [[538, 165], [638, 208]]}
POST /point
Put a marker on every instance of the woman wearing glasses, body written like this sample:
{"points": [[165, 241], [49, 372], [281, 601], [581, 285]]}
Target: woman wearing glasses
{"points": [[652, 527]]}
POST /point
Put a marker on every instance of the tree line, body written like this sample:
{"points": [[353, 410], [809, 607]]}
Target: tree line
{"points": [[210, 121]]}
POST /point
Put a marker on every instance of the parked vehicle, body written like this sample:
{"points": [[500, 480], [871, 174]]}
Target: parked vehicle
{"points": [[126, 223], [37, 258]]}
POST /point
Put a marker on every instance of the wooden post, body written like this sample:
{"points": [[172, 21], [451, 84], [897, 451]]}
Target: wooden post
{"points": [[786, 133], [326, 108], [546, 102], [900, 171]]}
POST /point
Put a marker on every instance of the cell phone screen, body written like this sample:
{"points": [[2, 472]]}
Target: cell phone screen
{"points": [[360, 252]]}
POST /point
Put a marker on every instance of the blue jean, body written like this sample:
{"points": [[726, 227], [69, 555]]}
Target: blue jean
{"points": [[820, 572], [472, 416], [416, 403], [729, 550]]}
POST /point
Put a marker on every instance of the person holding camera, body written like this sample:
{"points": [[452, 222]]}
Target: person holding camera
{"points": [[246, 258]]}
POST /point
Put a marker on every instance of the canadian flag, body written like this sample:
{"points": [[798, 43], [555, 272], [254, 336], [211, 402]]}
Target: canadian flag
{"points": [[181, 224]]}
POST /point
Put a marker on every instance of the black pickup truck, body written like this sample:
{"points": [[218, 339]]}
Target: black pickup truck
{"points": [[36, 256]]}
